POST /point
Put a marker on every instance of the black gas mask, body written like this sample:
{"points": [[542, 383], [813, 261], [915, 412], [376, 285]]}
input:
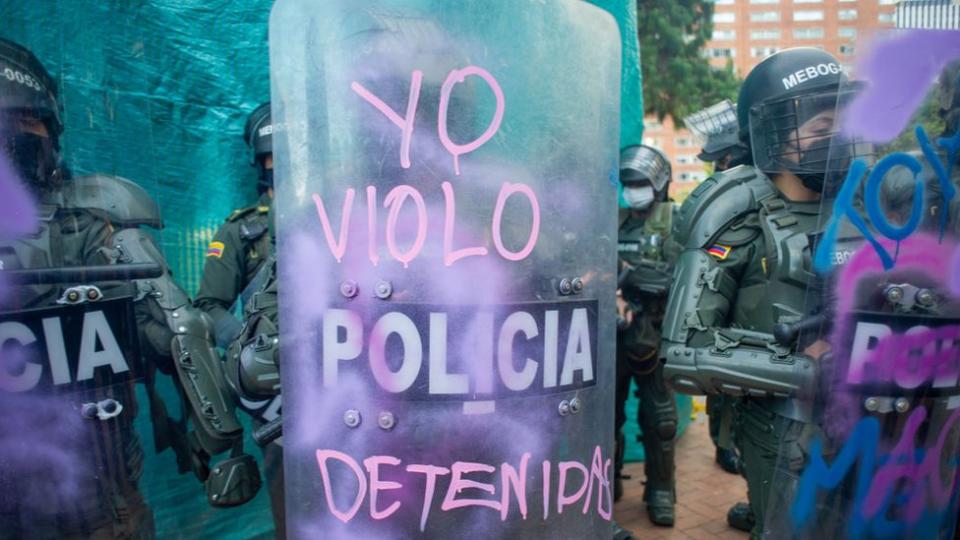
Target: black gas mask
{"points": [[264, 177], [33, 157]]}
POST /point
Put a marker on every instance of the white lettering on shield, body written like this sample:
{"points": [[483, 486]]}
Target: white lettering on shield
{"points": [[492, 353]]}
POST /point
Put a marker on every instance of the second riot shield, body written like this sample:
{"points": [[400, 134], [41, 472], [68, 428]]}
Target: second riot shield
{"points": [[445, 204], [881, 462]]}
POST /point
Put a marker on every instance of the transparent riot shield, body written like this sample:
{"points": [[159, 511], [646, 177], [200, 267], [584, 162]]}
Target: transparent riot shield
{"points": [[96, 439], [446, 228], [880, 461]]}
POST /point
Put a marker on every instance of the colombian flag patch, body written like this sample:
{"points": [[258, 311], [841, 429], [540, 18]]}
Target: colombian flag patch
{"points": [[215, 249], [719, 251]]}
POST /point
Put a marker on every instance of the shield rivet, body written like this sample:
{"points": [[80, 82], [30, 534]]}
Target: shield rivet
{"points": [[351, 418], [386, 420], [902, 405], [383, 290], [348, 289]]}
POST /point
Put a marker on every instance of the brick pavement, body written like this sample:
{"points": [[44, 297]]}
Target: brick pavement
{"points": [[704, 493]]}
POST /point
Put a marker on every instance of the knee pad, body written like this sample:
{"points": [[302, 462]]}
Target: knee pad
{"points": [[667, 428]]}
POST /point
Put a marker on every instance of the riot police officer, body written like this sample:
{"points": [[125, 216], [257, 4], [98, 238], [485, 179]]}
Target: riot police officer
{"points": [[723, 148], [643, 285], [79, 461], [746, 236], [241, 245]]}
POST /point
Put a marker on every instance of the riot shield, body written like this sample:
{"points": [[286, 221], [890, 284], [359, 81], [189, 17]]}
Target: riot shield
{"points": [[94, 431], [882, 460], [445, 210]]}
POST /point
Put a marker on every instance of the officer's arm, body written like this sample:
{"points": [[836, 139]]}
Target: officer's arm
{"points": [[703, 353], [252, 363], [222, 283], [199, 367]]}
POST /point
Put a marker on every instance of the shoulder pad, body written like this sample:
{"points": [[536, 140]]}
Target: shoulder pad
{"points": [[240, 212], [717, 203], [125, 203]]}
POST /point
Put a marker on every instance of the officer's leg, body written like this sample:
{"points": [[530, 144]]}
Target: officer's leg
{"points": [[273, 470], [717, 407], [623, 389], [761, 432], [658, 421]]}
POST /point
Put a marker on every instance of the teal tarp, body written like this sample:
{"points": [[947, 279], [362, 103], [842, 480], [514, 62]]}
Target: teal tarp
{"points": [[157, 91]]}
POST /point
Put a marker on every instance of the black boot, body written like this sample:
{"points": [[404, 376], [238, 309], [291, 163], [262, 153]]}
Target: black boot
{"points": [[660, 507], [618, 475], [740, 517], [619, 533], [728, 460]]}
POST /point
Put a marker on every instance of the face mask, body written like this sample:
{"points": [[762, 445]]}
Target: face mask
{"points": [[32, 157], [638, 198], [827, 157], [266, 179]]}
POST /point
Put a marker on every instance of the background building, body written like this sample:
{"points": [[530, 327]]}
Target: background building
{"points": [[938, 14], [747, 31]]}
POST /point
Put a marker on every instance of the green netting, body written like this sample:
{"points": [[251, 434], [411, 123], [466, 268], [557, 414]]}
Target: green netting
{"points": [[157, 91]]}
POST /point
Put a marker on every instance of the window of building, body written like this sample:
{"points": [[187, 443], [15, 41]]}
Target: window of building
{"points": [[765, 16], [762, 52], [807, 1], [888, 2], [764, 1], [846, 49], [808, 15], [847, 32], [764, 34], [724, 35], [847, 14], [724, 17], [682, 142], [724, 2], [885, 18], [719, 52], [807, 33]]}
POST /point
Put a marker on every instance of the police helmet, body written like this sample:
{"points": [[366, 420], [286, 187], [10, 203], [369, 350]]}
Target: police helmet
{"points": [[642, 164], [787, 112], [258, 132], [25, 85]]}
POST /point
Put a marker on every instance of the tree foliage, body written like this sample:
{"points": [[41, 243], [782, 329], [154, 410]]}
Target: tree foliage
{"points": [[677, 77]]}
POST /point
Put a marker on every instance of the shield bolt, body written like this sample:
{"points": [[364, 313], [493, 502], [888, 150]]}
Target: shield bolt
{"points": [[871, 404], [564, 408], [351, 418], [93, 294], [894, 294], [73, 296], [565, 286], [902, 405], [89, 410], [575, 405], [386, 420], [925, 297], [348, 289], [383, 289], [577, 285]]}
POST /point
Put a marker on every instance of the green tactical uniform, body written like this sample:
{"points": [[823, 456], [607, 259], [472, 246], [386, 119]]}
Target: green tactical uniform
{"points": [[641, 245], [746, 266], [236, 254]]}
